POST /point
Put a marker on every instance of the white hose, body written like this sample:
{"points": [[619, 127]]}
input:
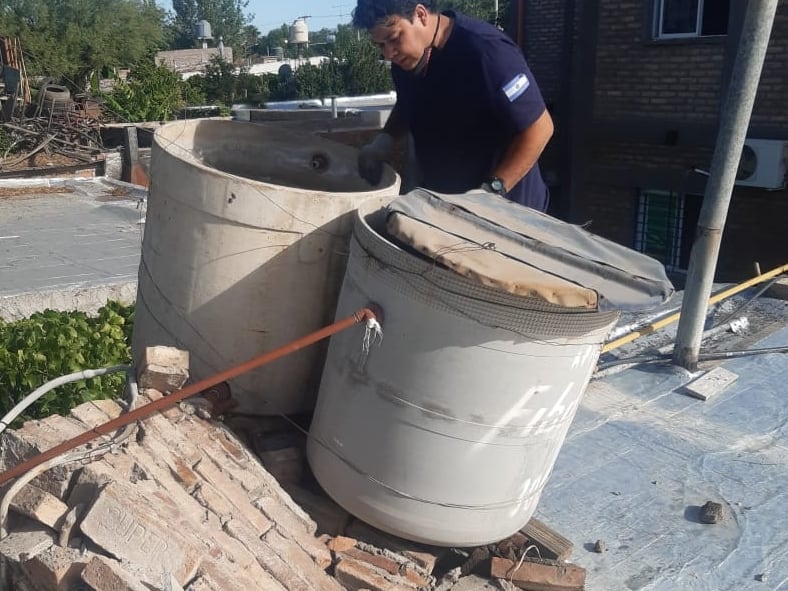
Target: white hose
{"points": [[67, 379], [132, 392]]}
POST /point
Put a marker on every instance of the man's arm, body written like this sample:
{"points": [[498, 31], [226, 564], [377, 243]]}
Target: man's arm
{"points": [[524, 150]]}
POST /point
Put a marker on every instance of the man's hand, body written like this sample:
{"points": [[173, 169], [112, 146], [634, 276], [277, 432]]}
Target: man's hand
{"points": [[372, 156]]}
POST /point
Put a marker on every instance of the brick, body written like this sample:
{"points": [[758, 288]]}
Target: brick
{"points": [[551, 544], [162, 368], [293, 527], [328, 517], [540, 575], [399, 568], [55, 569], [104, 574], [301, 562], [38, 436], [225, 496], [39, 505], [341, 544], [266, 557], [172, 413], [126, 523], [216, 500], [355, 576], [25, 543], [96, 412]]}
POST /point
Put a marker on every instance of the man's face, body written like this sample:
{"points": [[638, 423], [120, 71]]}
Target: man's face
{"points": [[403, 41]]}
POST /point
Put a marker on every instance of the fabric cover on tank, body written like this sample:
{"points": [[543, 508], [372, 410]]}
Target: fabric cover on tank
{"points": [[506, 246]]}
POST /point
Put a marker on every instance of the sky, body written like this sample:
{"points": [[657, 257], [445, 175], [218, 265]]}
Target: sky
{"points": [[270, 14]]}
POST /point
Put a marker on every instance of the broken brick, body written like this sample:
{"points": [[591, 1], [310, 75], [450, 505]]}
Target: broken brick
{"points": [[540, 575]]}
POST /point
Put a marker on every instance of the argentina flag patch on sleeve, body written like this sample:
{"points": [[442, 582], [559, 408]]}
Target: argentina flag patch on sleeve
{"points": [[516, 86]]}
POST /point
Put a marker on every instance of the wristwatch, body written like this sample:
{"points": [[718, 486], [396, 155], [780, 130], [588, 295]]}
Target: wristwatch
{"points": [[497, 186]]}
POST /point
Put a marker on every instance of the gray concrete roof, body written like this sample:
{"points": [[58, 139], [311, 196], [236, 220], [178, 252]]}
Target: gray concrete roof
{"points": [[641, 458], [68, 244]]}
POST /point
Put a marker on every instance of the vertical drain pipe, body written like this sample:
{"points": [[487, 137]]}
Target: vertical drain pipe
{"points": [[734, 120]]}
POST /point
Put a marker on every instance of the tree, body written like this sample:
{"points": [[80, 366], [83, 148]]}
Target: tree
{"points": [[482, 9], [69, 39], [151, 93], [226, 17]]}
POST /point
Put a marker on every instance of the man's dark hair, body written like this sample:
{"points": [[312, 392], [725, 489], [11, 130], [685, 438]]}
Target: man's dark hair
{"points": [[370, 13]]}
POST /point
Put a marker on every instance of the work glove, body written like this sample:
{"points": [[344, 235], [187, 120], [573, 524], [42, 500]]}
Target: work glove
{"points": [[372, 156]]}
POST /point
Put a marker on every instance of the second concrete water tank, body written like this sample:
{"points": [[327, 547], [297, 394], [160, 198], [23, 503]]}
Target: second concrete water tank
{"points": [[244, 250], [447, 432]]}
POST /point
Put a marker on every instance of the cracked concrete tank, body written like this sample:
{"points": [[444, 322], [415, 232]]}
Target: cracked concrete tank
{"points": [[245, 245], [493, 319]]}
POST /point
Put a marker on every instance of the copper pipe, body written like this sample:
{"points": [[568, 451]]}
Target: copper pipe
{"points": [[371, 313]]}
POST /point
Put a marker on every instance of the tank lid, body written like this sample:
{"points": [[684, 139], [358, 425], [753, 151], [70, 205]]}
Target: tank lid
{"points": [[519, 250]]}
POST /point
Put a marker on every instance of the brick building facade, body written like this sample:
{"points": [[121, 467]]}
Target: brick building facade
{"points": [[636, 93]]}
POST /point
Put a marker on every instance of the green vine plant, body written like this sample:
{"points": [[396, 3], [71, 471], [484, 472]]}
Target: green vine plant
{"points": [[50, 344]]}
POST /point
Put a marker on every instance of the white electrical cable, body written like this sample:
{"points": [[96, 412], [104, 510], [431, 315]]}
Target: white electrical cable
{"points": [[66, 379], [132, 392]]}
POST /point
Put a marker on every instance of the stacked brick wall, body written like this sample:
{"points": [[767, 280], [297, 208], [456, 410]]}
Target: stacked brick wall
{"points": [[771, 102], [544, 45], [637, 76]]}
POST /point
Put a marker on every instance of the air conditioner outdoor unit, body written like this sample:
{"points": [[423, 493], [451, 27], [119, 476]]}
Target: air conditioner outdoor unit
{"points": [[763, 164]]}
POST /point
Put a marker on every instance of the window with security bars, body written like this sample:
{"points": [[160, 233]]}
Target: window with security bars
{"points": [[690, 18], [666, 225]]}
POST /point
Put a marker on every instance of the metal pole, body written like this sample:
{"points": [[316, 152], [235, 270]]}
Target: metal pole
{"points": [[734, 120]]}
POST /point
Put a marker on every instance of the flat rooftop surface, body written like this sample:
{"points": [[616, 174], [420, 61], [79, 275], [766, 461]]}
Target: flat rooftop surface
{"points": [[66, 237], [641, 458]]}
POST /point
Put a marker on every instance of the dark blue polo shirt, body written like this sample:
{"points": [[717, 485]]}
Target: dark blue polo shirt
{"points": [[476, 94]]}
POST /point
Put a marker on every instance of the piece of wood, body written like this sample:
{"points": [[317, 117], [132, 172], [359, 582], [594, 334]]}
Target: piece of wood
{"points": [[711, 383], [540, 575], [550, 543]]}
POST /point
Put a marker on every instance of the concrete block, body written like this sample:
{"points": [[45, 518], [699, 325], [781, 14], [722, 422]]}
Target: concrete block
{"points": [[162, 368], [37, 504], [355, 576], [105, 574], [22, 544], [711, 383], [56, 569], [128, 525]]}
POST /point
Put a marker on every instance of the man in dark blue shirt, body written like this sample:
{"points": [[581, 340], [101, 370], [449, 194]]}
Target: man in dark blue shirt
{"points": [[465, 93]]}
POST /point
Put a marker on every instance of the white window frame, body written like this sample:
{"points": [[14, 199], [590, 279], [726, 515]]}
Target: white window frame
{"points": [[659, 14]]}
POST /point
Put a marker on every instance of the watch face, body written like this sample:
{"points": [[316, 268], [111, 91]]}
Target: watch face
{"points": [[497, 185]]}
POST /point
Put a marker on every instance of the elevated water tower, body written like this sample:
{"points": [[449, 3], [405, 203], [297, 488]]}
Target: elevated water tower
{"points": [[299, 35], [202, 30]]}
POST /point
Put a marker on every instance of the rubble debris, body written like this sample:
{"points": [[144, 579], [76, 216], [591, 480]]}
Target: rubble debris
{"points": [[540, 575], [201, 508], [712, 513], [600, 547]]}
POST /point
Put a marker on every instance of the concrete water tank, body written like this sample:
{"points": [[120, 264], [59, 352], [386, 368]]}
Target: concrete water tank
{"points": [[245, 246], [299, 32], [447, 431]]}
